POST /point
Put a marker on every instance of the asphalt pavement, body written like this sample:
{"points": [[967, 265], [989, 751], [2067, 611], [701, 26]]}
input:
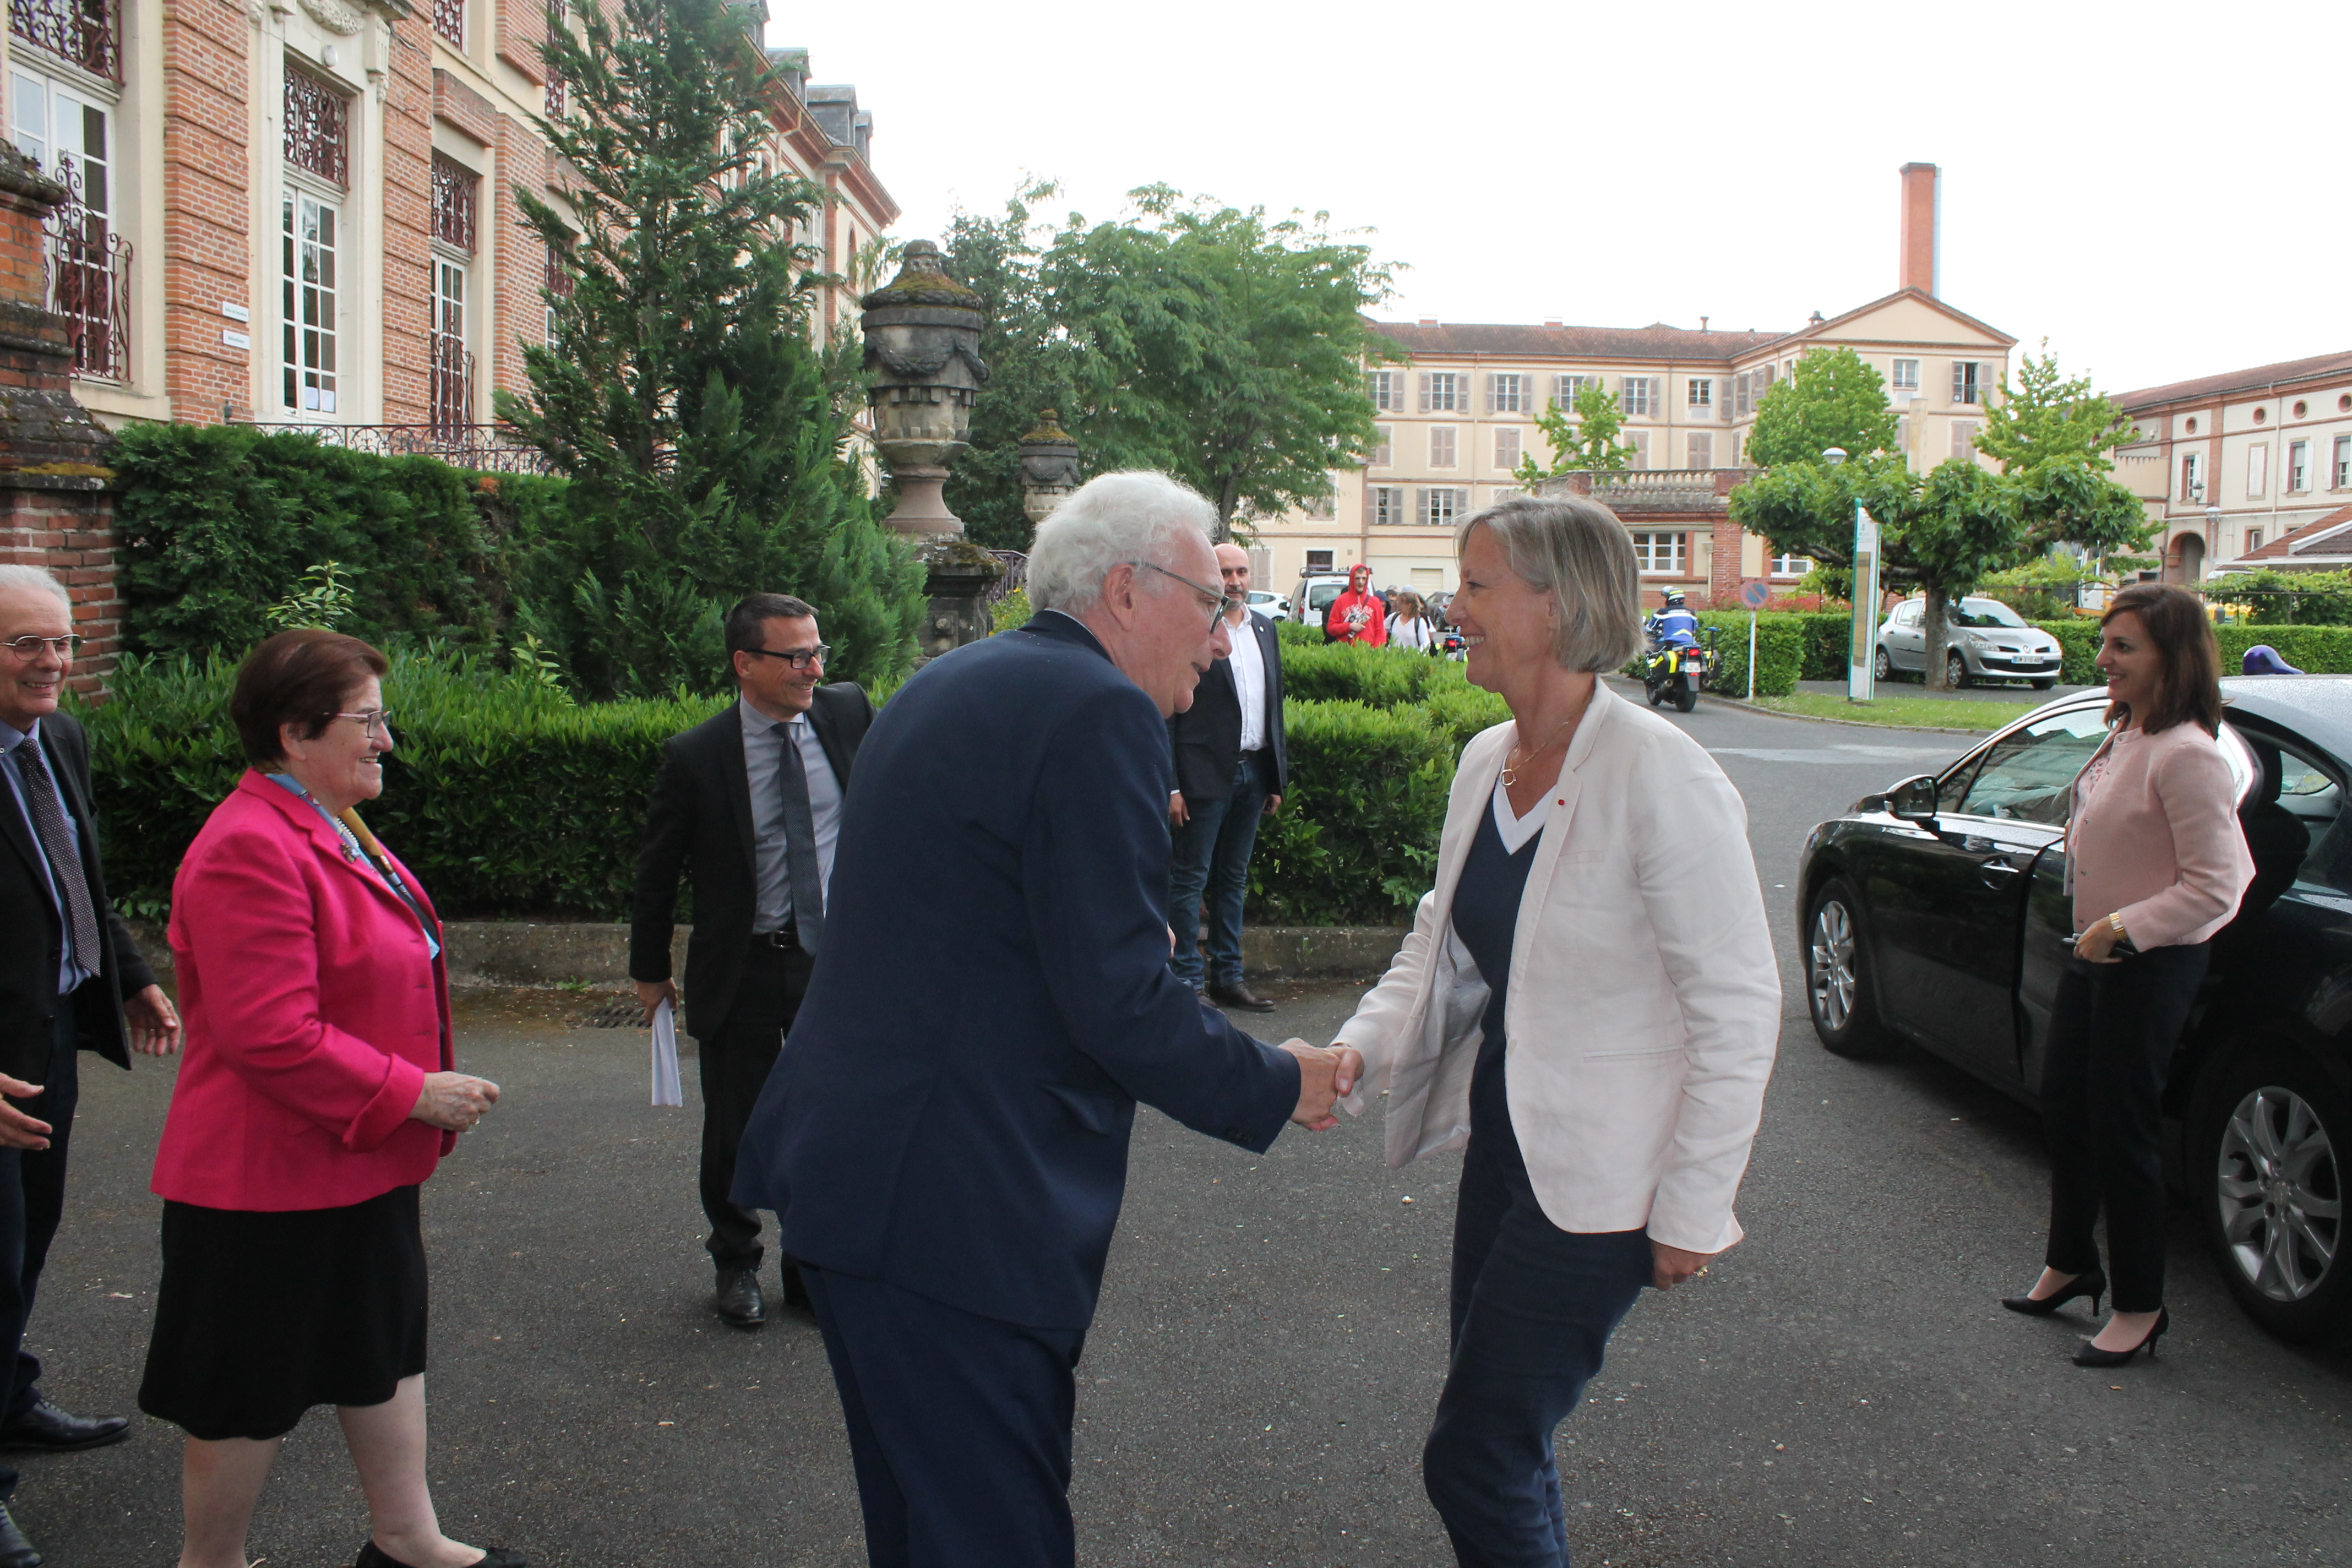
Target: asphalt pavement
{"points": [[1841, 1389], [2018, 693]]}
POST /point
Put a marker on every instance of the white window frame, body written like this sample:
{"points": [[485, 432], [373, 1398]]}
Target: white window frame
{"points": [[1443, 389], [1698, 392], [2298, 468], [1442, 505], [1387, 396], [1790, 565], [2253, 540], [1564, 389], [326, 405], [1388, 505], [1629, 404], [2192, 476], [1445, 447], [1661, 553], [2341, 462], [1967, 383], [1903, 376], [1506, 393]]}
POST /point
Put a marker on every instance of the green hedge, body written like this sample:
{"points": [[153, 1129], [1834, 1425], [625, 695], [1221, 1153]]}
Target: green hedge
{"points": [[1780, 651], [1356, 840], [219, 522], [506, 799], [2321, 650]]}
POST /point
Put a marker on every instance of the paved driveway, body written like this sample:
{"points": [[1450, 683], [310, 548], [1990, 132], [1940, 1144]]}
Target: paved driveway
{"points": [[1843, 1389]]}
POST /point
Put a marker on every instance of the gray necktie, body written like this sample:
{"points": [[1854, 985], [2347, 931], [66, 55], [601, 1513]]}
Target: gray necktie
{"points": [[800, 844], [64, 867]]}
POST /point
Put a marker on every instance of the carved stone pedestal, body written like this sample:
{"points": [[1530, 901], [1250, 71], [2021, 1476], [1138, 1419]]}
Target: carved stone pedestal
{"points": [[958, 575]]}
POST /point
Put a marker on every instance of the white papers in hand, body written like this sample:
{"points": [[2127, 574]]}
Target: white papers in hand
{"points": [[667, 1090]]}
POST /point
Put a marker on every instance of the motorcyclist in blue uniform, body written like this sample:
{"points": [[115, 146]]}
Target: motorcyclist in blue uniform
{"points": [[1672, 623]]}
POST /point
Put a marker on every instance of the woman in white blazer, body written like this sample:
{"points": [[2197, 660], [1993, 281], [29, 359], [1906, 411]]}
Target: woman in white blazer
{"points": [[1587, 999]]}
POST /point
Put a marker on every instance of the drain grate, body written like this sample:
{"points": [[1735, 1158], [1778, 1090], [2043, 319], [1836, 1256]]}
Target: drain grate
{"points": [[624, 1013]]}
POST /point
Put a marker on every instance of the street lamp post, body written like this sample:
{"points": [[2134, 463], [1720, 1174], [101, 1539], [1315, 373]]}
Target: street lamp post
{"points": [[1862, 644]]}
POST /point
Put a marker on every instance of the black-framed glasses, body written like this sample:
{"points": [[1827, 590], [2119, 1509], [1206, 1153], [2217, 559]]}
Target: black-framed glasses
{"points": [[798, 657], [29, 647], [1216, 596], [376, 721]]}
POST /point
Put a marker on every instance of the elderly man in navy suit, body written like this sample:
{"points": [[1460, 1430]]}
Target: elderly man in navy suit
{"points": [[945, 1136]]}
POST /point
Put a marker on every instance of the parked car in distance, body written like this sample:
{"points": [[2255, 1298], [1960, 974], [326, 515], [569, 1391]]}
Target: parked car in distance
{"points": [[1311, 600], [1936, 913], [1987, 641], [1265, 604]]}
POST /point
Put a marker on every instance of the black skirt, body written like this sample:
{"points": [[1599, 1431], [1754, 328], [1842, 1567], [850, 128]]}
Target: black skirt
{"points": [[261, 1316]]}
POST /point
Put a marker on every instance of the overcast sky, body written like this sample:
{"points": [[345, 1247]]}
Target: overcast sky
{"points": [[2160, 192]]}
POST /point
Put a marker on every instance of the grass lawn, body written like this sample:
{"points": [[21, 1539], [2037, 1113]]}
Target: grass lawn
{"points": [[1943, 712]]}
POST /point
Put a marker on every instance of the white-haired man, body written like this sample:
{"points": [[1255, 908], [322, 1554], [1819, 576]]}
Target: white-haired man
{"points": [[69, 973], [944, 1138]]}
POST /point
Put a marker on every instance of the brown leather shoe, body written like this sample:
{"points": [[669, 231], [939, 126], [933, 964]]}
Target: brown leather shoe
{"points": [[1238, 995]]}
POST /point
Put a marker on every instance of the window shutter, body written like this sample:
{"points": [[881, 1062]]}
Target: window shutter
{"points": [[1421, 505], [1422, 379]]}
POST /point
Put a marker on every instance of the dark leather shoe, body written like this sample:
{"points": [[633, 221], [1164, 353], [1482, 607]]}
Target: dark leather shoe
{"points": [[739, 1302], [1240, 996], [374, 1556], [52, 1431], [16, 1551]]}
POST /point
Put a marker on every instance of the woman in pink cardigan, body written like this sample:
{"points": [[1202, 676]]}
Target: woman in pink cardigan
{"points": [[317, 1094], [2158, 864]]}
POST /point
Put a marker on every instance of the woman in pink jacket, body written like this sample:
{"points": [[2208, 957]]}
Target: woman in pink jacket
{"points": [[2158, 864], [316, 1095]]}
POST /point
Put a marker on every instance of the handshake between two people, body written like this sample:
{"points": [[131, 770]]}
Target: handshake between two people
{"points": [[1325, 1078]]}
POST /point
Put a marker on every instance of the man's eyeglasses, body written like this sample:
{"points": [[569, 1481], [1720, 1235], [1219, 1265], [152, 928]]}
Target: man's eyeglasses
{"points": [[798, 657], [1215, 596], [30, 648], [377, 722]]}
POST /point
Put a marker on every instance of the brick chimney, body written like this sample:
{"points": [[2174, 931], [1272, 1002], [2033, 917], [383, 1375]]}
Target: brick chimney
{"points": [[1922, 211]]}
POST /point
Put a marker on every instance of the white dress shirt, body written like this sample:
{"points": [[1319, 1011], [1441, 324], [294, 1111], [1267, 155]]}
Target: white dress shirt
{"points": [[1248, 664], [763, 742]]}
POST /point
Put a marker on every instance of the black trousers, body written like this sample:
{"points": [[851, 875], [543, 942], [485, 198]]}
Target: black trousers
{"points": [[2113, 1030], [959, 1427], [736, 1059], [32, 1200]]}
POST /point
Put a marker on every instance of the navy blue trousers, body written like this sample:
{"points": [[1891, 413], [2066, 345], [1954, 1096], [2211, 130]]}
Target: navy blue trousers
{"points": [[1534, 1306], [1211, 851], [959, 1427], [32, 1200]]}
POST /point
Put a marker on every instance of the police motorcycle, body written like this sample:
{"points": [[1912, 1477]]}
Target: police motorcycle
{"points": [[1681, 657]]}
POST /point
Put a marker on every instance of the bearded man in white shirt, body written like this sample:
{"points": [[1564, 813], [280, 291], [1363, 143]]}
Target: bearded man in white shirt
{"points": [[1231, 772]]}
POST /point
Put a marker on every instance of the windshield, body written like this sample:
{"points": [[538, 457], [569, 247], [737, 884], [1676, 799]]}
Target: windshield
{"points": [[1984, 613], [1320, 595]]}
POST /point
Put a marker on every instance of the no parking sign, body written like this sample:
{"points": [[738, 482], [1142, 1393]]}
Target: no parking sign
{"points": [[1754, 592]]}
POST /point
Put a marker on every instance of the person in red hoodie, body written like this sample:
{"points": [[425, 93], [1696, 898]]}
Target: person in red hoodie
{"points": [[1358, 615]]}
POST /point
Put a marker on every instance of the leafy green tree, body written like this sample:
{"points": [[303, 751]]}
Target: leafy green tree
{"points": [[1218, 346], [2047, 416], [681, 392], [1832, 399], [1590, 443], [1031, 366]]}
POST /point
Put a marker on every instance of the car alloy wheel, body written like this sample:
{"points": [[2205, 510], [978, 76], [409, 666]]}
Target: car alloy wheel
{"points": [[2280, 1192], [1956, 669], [1830, 965], [1881, 667]]}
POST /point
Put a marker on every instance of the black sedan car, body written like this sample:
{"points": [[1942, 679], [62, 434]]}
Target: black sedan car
{"points": [[1934, 914]]}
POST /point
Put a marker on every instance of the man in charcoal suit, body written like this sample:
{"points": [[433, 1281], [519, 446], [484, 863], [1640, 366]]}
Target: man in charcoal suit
{"points": [[1230, 771], [70, 980], [749, 803], [945, 1137]]}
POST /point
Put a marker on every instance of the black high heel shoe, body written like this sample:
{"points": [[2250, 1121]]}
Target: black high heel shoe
{"points": [[2093, 1284], [2091, 1355]]}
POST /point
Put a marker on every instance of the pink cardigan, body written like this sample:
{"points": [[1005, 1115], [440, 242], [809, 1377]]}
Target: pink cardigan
{"points": [[313, 1014], [2157, 838]]}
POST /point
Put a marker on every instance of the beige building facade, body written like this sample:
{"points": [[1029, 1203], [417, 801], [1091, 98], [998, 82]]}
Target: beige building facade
{"points": [[1458, 411], [2231, 465]]}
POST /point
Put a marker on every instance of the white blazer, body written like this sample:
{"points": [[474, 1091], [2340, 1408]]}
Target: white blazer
{"points": [[1645, 1000]]}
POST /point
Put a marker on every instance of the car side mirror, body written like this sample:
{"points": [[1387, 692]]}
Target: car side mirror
{"points": [[1912, 800]]}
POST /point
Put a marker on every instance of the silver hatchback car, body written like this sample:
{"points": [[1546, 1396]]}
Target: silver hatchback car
{"points": [[1988, 641]]}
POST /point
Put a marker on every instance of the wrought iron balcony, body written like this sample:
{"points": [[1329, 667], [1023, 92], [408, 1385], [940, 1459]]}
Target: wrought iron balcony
{"points": [[87, 33], [89, 268], [449, 396], [484, 449]]}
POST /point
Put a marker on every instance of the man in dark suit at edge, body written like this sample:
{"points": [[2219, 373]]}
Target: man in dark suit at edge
{"points": [[70, 979], [945, 1137], [749, 803], [1231, 769]]}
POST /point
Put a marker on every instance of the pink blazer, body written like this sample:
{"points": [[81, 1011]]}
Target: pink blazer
{"points": [[2157, 840], [312, 1014]]}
